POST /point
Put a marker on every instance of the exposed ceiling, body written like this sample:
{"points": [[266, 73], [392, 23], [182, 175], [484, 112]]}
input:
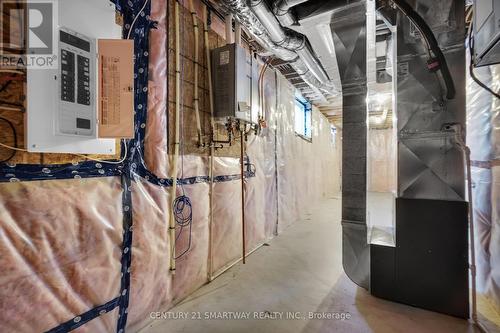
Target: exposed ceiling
{"points": [[314, 18]]}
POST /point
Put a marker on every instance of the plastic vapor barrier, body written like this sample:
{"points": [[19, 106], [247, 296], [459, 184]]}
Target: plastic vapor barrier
{"points": [[300, 162], [493, 289], [61, 247], [483, 137], [92, 254]]}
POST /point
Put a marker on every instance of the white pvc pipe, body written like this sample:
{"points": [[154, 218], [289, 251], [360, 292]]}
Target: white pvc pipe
{"points": [[212, 152], [196, 99], [177, 137], [237, 32], [229, 29], [472, 259]]}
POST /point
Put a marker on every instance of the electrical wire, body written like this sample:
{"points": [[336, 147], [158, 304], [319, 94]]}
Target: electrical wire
{"points": [[16, 107], [12, 71], [14, 134], [79, 155], [125, 155], [12, 148], [182, 206], [183, 211], [183, 215], [5, 105], [20, 108], [433, 49], [6, 85], [471, 65], [136, 17], [11, 104], [10, 108]]}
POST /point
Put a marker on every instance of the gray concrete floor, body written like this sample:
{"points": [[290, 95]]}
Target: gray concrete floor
{"points": [[300, 272]]}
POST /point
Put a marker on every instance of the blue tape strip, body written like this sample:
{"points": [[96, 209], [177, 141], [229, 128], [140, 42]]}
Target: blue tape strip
{"points": [[33, 172], [84, 318], [168, 182], [140, 35], [126, 253]]}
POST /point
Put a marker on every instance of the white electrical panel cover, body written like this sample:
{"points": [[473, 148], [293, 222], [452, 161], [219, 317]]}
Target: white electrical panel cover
{"points": [[61, 103]]}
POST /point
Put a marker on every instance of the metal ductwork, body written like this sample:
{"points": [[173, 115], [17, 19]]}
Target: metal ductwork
{"points": [[281, 8], [288, 39], [287, 44]]}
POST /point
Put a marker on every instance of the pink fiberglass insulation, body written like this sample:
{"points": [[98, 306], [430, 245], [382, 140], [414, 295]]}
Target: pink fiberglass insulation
{"points": [[226, 227], [60, 243], [155, 142], [151, 285], [191, 265]]}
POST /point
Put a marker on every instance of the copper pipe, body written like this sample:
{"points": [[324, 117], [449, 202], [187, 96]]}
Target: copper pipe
{"points": [[242, 131]]}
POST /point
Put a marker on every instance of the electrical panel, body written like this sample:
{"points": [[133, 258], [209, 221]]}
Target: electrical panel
{"points": [[487, 32], [232, 83], [63, 103]]}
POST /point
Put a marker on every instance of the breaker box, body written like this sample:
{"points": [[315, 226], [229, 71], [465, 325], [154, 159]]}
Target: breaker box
{"points": [[487, 32], [232, 83], [86, 102]]}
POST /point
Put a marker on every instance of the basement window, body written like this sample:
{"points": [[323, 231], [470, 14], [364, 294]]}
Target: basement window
{"points": [[333, 131], [303, 118]]}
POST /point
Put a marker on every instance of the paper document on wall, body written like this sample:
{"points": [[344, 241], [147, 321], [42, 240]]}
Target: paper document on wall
{"points": [[116, 98]]}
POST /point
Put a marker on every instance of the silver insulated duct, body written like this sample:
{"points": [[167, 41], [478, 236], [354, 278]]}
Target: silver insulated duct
{"points": [[288, 45], [281, 8]]}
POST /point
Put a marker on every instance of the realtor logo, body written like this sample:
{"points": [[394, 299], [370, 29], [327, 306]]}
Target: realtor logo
{"points": [[28, 34]]}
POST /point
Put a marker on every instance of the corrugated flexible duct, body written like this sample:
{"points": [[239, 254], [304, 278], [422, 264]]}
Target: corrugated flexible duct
{"points": [[287, 45]]}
